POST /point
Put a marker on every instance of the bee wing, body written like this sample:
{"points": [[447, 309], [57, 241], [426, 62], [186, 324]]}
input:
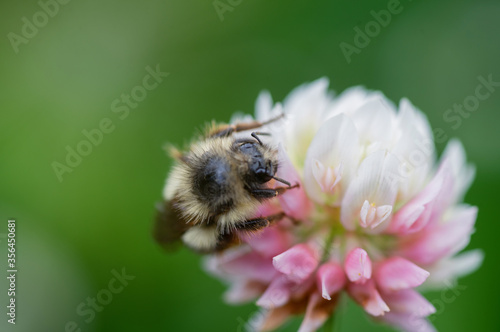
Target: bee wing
{"points": [[168, 227]]}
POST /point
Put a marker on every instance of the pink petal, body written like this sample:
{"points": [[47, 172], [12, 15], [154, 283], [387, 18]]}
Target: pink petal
{"points": [[358, 266], [269, 320], [297, 262], [317, 312], [330, 279], [295, 202], [241, 292], [409, 301], [303, 288], [441, 240], [371, 215], [277, 294], [415, 215], [409, 322], [397, 273], [327, 177], [248, 266], [270, 242], [266, 209], [368, 297], [444, 199]]}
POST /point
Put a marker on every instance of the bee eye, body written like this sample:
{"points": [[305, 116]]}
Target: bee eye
{"points": [[247, 148]]}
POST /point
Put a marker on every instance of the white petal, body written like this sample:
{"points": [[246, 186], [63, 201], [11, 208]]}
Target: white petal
{"points": [[313, 93], [304, 108], [373, 184], [446, 271], [463, 173], [240, 116], [421, 124], [365, 209], [319, 171], [374, 121], [352, 99], [335, 143], [383, 212], [413, 145], [263, 106]]}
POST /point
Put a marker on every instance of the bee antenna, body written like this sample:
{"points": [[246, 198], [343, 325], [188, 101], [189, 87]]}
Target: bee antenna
{"points": [[281, 180]]}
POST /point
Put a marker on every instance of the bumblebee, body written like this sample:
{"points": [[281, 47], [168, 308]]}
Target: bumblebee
{"points": [[215, 188]]}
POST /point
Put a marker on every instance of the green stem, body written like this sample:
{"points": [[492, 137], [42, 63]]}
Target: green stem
{"points": [[328, 244], [330, 323], [334, 231]]}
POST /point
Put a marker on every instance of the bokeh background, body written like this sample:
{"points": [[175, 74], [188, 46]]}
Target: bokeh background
{"points": [[64, 79]]}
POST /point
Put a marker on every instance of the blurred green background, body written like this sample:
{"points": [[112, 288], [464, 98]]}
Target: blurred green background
{"points": [[63, 80]]}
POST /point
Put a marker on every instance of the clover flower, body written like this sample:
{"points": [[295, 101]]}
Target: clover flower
{"points": [[374, 217]]}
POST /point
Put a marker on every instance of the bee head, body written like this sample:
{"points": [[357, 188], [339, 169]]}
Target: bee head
{"points": [[261, 162]]}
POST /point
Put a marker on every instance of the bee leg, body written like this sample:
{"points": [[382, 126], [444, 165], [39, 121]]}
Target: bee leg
{"points": [[226, 240], [234, 128], [259, 223], [270, 193]]}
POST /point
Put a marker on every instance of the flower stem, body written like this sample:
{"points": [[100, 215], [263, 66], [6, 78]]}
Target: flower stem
{"points": [[330, 323], [334, 231]]}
